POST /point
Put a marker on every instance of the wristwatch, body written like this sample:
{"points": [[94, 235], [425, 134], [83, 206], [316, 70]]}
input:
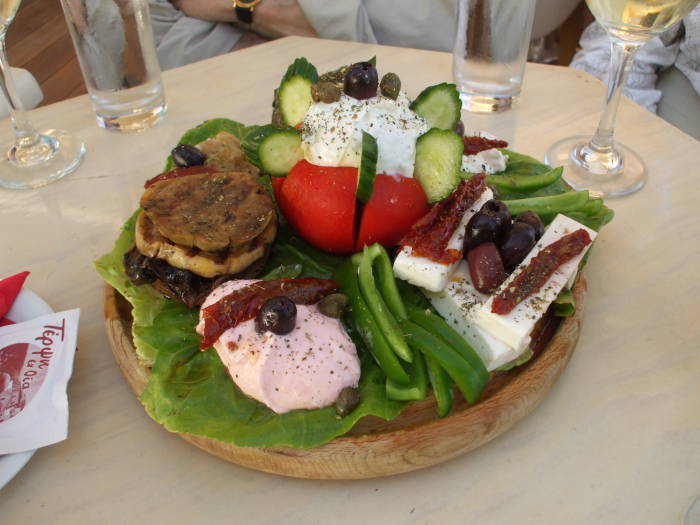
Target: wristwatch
{"points": [[244, 10]]}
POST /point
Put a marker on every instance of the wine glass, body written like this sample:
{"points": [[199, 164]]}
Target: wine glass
{"points": [[36, 158], [599, 164]]}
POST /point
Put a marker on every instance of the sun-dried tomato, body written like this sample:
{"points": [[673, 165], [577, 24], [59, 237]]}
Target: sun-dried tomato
{"points": [[244, 303], [429, 236], [539, 270], [474, 145]]}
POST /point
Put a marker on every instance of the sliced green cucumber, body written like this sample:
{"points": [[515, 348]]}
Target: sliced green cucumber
{"points": [[293, 97], [274, 149], [439, 105], [368, 168], [438, 161]]}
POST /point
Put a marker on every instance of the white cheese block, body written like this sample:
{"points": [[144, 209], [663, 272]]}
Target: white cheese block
{"points": [[429, 274], [457, 303], [488, 161], [514, 328]]}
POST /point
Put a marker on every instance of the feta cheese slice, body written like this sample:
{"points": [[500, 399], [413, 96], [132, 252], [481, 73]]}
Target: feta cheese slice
{"points": [[458, 303], [428, 274], [488, 161], [514, 328]]}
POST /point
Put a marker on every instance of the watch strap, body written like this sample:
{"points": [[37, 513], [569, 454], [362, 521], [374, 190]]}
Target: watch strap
{"points": [[244, 10]]}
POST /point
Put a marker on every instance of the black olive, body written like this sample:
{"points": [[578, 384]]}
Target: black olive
{"points": [[531, 218], [277, 315], [390, 86], [347, 401], [333, 305], [481, 228], [186, 156], [499, 211], [486, 267], [361, 81], [516, 244]]}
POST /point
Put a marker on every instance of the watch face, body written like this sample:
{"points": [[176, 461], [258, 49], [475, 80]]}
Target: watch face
{"points": [[244, 14]]}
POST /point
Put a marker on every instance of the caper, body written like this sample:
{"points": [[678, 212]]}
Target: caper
{"points": [[185, 156], [390, 85], [333, 305], [347, 401], [325, 92]]}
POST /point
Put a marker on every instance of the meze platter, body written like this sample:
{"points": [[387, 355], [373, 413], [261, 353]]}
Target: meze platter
{"points": [[358, 289]]}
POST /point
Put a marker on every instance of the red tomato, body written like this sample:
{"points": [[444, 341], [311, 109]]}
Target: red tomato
{"points": [[320, 204], [396, 204]]}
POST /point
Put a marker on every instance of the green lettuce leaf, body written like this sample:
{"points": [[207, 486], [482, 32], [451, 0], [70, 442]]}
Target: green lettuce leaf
{"points": [[191, 391]]}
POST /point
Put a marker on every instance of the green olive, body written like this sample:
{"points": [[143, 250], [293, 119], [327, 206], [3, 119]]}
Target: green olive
{"points": [[333, 305], [325, 92], [390, 85], [347, 401]]}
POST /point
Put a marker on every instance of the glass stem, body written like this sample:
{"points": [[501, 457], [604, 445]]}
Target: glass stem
{"points": [[26, 135], [622, 56]]}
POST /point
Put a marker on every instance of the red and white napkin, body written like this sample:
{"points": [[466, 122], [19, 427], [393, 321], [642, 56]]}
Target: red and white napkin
{"points": [[36, 362], [9, 290]]}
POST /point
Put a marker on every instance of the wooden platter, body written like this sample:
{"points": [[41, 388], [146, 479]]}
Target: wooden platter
{"points": [[374, 447]]}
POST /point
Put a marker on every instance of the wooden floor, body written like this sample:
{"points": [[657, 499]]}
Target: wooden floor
{"points": [[38, 40]]}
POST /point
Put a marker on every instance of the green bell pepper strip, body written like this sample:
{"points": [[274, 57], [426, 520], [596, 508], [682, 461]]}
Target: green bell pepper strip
{"points": [[371, 334], [436, 325], [467, 380], [521, 183], [414, 390], [551, 204], [386, 283], [442, 386], [564, 304], [380, 312]]}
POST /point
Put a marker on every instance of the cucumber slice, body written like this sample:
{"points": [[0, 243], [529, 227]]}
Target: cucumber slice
{"points": [[438, 161], [368, 168], [273, 149], [439, 105], [293, 98]]}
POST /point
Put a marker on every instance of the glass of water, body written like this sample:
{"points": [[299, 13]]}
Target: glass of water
{"points": [[114, 43], [490, 51]]}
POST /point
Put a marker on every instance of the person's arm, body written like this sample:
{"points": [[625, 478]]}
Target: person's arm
{"points": [[272, 18]]}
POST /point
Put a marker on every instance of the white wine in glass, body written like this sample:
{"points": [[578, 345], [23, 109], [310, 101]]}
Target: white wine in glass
{"points": [[36, 157], [600, 164]]}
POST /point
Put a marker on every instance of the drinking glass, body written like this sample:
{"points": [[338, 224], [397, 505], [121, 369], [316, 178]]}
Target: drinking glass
{"points": [[488, 60], [114, 44], [37, 157], [599, 164]]}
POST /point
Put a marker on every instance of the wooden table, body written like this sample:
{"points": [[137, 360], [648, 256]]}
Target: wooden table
{"points": [[616, 441]]}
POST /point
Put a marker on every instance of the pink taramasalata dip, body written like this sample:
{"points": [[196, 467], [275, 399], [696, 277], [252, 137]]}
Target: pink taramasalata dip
{"points": [[304, 369]]}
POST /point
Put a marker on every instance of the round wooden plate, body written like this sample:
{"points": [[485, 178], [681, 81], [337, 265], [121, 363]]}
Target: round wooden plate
{"points": [[415, 439]]}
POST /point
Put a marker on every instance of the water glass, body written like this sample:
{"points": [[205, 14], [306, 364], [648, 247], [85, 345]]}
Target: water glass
{"points": [[114, 43], [490, 51]]}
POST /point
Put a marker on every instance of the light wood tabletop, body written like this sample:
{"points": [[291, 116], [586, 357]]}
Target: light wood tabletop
{"points": [[617, 440]]}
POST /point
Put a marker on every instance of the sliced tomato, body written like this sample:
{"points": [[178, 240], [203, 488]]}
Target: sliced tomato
{"points": [[396, 204], [319, 202]]}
